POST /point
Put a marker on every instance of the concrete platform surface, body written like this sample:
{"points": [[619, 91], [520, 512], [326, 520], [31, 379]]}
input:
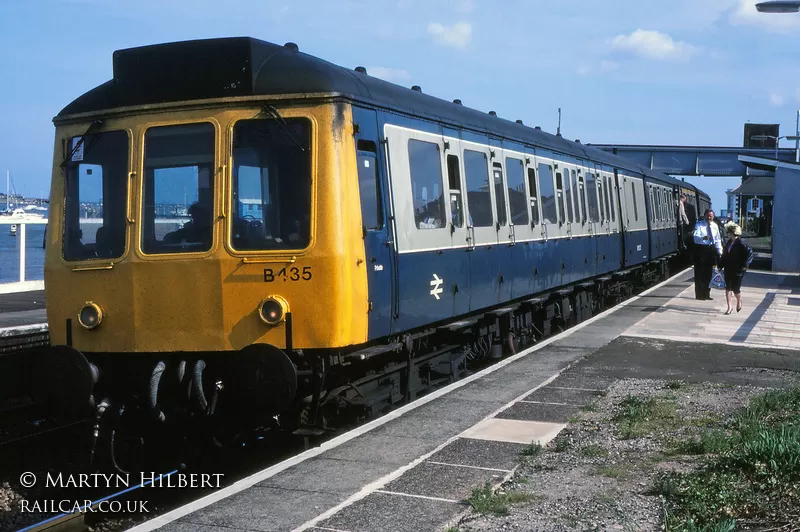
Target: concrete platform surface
{"points": [[413, 468]]}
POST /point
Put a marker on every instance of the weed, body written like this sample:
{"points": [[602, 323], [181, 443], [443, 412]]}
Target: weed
{"points": [[532, 450], [638, 416], [591, 407], [675, 385], [593, 450], [562, 445], [485, 501], [709, 442], [753, 476]]}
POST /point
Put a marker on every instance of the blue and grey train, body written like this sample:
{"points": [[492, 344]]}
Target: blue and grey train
{"points": [[352, 242]]}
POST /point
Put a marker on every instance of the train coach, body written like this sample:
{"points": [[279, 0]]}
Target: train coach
{"points": [[244, 234]]}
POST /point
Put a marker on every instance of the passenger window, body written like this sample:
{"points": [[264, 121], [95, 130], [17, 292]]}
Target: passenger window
{"points": [[582, 189], [560, 196], [549, 215], [593, 187], [635, 207], [479, 200], [534, 195], [575, 195], [517, 202], [499, 193], [456, 201], [598, 198], [425, 163], [612, 194], [371, 215], [607, 192], [567, 196]]}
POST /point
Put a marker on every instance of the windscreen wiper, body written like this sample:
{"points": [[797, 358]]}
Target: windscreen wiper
{"points": [[271, 111], [80, 143]]}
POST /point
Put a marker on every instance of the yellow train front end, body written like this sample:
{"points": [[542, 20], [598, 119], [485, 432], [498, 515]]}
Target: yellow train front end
{"points": [[204, 251]]}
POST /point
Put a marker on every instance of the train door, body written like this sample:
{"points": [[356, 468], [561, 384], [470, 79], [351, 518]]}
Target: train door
{"points": [[589, 238], [461, 247], [519, 270], [483, 263], [504, 227], [375, 216]]}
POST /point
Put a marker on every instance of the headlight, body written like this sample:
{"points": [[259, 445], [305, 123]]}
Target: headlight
{"points": [[90, 316], [273, 310]]}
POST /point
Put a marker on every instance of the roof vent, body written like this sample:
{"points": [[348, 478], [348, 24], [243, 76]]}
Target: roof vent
{"points": [[520, 122], [558, 134], [291, 46], [538, 128], [361, 69], [457, 101], [416, 88], [492, 113], [578, 141]]}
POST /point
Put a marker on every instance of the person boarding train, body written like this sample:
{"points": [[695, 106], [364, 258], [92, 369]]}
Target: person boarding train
{"points": [[707, 251]]}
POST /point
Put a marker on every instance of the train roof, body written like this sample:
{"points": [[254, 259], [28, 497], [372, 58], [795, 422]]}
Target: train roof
{"points": [[243, 66]]}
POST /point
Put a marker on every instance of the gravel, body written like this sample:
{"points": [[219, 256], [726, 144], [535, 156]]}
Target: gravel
{"points": [[590, 479]]}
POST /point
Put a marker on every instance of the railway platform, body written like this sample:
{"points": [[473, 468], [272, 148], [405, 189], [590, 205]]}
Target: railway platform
{"points": [[412, 469]]}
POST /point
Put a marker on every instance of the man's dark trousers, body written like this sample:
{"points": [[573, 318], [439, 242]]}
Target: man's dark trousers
{"points": [[705, 259]]}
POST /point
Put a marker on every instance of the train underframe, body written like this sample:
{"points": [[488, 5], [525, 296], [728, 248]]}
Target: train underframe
{"points": [[158, 410]]}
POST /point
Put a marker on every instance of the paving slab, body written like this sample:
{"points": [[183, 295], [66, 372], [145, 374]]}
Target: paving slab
{"points": [[381, 512], [443, 481], [540, 412], [480, 453]]}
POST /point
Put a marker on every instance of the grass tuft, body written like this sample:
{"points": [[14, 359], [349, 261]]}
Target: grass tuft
{"points": [[485, 501]]}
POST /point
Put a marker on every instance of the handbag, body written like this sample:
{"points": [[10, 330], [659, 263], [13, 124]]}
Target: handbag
{"points": [[717, 280]]}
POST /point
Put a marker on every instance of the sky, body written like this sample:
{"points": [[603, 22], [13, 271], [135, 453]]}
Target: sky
{"points": [[677, 72]]}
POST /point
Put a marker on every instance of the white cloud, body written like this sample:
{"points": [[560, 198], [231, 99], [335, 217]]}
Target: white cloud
{"points": [[776, 99], [746, 14], [389, 74], [653, 45], [603, 67], [458, 35]]}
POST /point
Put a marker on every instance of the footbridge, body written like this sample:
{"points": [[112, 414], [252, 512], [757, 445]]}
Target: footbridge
{"points": [[710, 161]]}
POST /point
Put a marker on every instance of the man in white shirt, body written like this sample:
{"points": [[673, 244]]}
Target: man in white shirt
{"points": [[708, 250]]}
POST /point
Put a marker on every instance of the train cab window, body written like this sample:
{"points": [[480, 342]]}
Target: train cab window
{"points": [[549, 215], [177, 206], [560, 197], [534, 196], [456, 201], [371, 216], [566, 186], [593, 205], [479, 200], [96, 197], [635, 206], [271, 192], [425, 163], [517, 202], [499, 193], [582, 190]]}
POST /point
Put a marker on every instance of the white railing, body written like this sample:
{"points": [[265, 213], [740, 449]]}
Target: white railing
{"points": [[20, 222]]}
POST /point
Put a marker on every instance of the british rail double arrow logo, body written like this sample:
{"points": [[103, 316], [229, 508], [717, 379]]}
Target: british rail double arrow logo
{"points": [[436, 285]]}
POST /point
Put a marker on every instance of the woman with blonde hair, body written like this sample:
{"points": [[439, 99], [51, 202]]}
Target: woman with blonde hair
{"points": [[736, 257]]}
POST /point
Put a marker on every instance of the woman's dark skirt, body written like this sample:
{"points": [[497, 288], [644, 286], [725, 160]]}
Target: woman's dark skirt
{"points": [[733, 280]]}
